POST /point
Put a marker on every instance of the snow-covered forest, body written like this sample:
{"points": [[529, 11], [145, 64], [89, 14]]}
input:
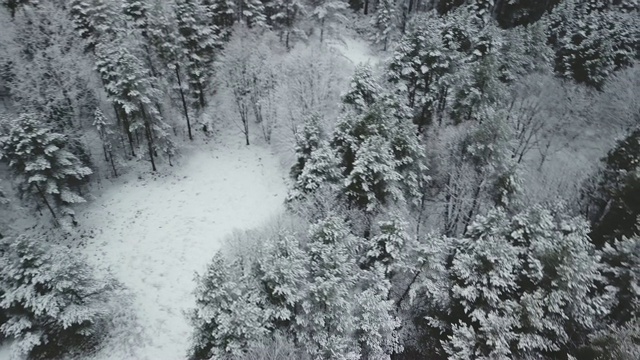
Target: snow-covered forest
{"points": [[319, 179]]}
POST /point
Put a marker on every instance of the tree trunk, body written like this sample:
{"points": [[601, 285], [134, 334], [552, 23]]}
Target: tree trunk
{"points": [[474, 206], [46, 202], [201, 96], [245, 122], [286, 41], [113, 166], [184, 102], [321, 31], [366, 7], [147, 130], [104, 149], [125, 123]]}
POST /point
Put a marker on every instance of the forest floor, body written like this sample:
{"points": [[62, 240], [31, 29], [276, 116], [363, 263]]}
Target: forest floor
{"points": [[155, 231]]}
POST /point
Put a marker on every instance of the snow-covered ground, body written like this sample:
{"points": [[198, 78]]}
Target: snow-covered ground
{"points": [[155, 232], [356, 50]]}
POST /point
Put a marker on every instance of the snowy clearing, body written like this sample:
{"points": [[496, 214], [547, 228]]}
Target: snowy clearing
{"points": [[155, 232], [356, 50]]}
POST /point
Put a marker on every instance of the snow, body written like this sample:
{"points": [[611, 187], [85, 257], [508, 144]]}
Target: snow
{"points": [[155, 232], [356, 50], [5, 351]]}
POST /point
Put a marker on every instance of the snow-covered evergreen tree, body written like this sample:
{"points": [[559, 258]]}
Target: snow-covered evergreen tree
{"points": [[221, 14], [108, 137], [523, 285], [325, 320], [95, 20], [52, 301], [364, 90], [283, 15], [229, 311], [419, 69], [613, 203], [385, 23], [327, 12], [379, 156], [137, 11], [43, 166], [131, 88], [592, 41], [622, 270], [198, 42], [252, 13], [46, 69], [283, 272], [309, 140]]}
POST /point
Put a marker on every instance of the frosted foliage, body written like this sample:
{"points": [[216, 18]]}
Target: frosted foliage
{"points": [[197, 43], [380, 158], [136, 96], [623, 271], [44, 67], [385, 23], [618, 342], [364, 91], [283, 273], [51, 298], [228, 312], [524, 285], [44, 168], [302, 287], [326, 319]]}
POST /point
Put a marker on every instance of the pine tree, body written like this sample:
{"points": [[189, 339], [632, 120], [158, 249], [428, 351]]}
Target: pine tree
{"points": [[45, 67], [107, 136], [198, 41], [283, 16], [132, 90], [380, 158], [622, 269], [221, 14], [229, 311], [52, 302], [44, 167], [326, 12], [326, 320], [364, 91], [592, 41], [252, 13], [523, 285], [163, 38], [614, 204], [385, 23], [308, 141], [137, 12], [420, 68], [95, 21], [283, 272]]}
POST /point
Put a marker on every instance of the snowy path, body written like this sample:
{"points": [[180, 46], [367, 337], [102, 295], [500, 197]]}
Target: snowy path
{"points": [[155, 234]]}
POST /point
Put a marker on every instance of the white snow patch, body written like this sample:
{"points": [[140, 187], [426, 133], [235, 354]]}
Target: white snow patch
{"points": [[155, 232], [355, 50]]}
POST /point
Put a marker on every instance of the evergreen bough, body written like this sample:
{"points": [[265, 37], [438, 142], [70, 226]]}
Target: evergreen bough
{"points": [[43, 166], [50, 299]]}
